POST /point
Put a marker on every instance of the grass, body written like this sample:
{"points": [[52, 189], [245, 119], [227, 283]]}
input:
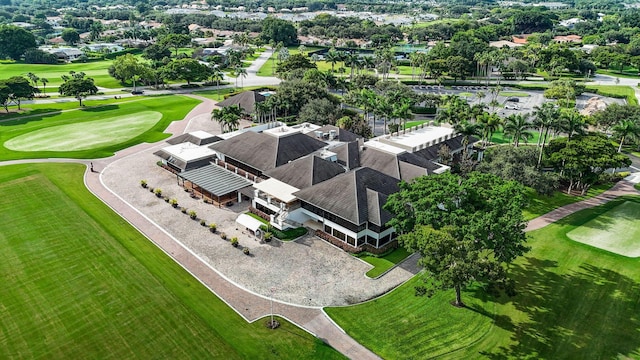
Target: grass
{"points": [[78, 279], [616, 73], [541, 204], [574, 302], [219, 94], [616, 230], [500, 138], [85, 135], [284, 235], [382, 264], [513, 93], [616, 90], [637, 186], [171, 107], [96, 70], [411, 124], [42, 108]]}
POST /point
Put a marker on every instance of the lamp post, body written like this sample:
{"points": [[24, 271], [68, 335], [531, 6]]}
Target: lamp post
{"points": [[273, 290]]}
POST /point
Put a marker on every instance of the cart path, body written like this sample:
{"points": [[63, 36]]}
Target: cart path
{"points": [[623, 187], [250, 306]]}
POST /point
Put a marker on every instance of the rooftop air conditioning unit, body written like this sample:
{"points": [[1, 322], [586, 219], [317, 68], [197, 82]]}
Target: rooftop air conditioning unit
{"points": [[318, 134], [332, 134]]}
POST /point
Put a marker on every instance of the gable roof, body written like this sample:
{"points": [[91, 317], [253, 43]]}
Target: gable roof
{"points": [[197, 137], [455, 144], [264, 152], [405, 166], [348, 154], [350, 195], [246, 100], [342, 134], [306, 171]]}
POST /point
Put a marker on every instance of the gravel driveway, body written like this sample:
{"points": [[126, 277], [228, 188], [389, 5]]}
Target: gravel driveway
{"points": [[306, 272]]}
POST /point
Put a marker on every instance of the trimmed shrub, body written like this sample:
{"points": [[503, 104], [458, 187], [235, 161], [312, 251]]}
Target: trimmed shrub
{"points": [[246, 251], [268, 236], [158, 192], [184, 210], [234, 241], [213, 227], [223, 236], [192, 214], [143, 183], [203, 223], [174, 202]]}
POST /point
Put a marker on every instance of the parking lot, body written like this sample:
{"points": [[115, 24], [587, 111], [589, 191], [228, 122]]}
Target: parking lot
{"points": [[527, 99]]}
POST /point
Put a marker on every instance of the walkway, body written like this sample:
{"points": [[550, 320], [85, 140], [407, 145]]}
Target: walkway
{"points": [[249, 305], [623, 187]]}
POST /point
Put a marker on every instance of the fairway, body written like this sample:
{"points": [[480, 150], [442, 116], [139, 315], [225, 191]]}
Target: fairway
{"points": [[88, 135], [91, 132], [617, 230], [573, 302], [80, 282]]}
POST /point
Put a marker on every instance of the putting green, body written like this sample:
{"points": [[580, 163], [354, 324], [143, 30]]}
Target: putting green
{"points": [[617, 230], [86, 135]]}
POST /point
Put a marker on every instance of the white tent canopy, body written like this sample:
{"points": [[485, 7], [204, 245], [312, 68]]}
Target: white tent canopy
{"points": [[249, 222]]}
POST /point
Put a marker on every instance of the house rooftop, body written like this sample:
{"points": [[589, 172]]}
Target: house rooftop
{"points": [[415, 139], [188, 151], [277, 189]]}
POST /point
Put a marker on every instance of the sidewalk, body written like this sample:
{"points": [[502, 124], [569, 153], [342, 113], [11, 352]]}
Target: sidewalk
{"points": [[622, 188]]}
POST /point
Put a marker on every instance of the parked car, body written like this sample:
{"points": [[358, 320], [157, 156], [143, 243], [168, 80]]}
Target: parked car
{"points": [[513, 99], [512, 107], [137, 92]]}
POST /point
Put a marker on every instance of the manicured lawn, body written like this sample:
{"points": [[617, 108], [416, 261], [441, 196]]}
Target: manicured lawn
{"points": [[616, 73], [573, 302], [384, 263], [499, 138], [286, 235], [514, 93], [617, 230], [411, 124], [540, 204], [218, 94], [96, 70], [78, 280], [619, 90], [269, 67], [92, 132], [34, 109]]}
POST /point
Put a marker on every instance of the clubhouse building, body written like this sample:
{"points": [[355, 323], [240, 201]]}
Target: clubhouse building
{"points": [[324, 178]]}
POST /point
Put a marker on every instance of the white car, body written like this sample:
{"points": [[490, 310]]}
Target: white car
{"points": [[512, 107]]}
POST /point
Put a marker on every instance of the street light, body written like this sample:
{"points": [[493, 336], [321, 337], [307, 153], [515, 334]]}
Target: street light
{"points": [[272, 325]]}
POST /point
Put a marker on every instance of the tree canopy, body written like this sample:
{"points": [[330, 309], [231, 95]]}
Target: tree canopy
{"points": [[15, 41], [78, 86], [476, 222]]}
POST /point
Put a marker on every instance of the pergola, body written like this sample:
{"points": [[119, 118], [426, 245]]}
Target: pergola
{"points": [[214, 182]]}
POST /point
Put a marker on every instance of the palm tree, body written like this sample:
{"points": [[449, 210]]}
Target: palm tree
{"points": [[332, 57], [44, 82], [626, 129], [480, 95], [489, 123], [467, 129], [545, 118], [402, 111], [228, 117], [516, 126], [240, 73], [572, 122], [216, 75]]}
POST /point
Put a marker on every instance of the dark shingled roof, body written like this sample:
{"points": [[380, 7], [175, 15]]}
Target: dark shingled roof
{"points": [[348, 154], [246, 100], [405, 166], [455, 144], [265, 152], [306, 171], [193, 139], [350, 195], [343, 135]]}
